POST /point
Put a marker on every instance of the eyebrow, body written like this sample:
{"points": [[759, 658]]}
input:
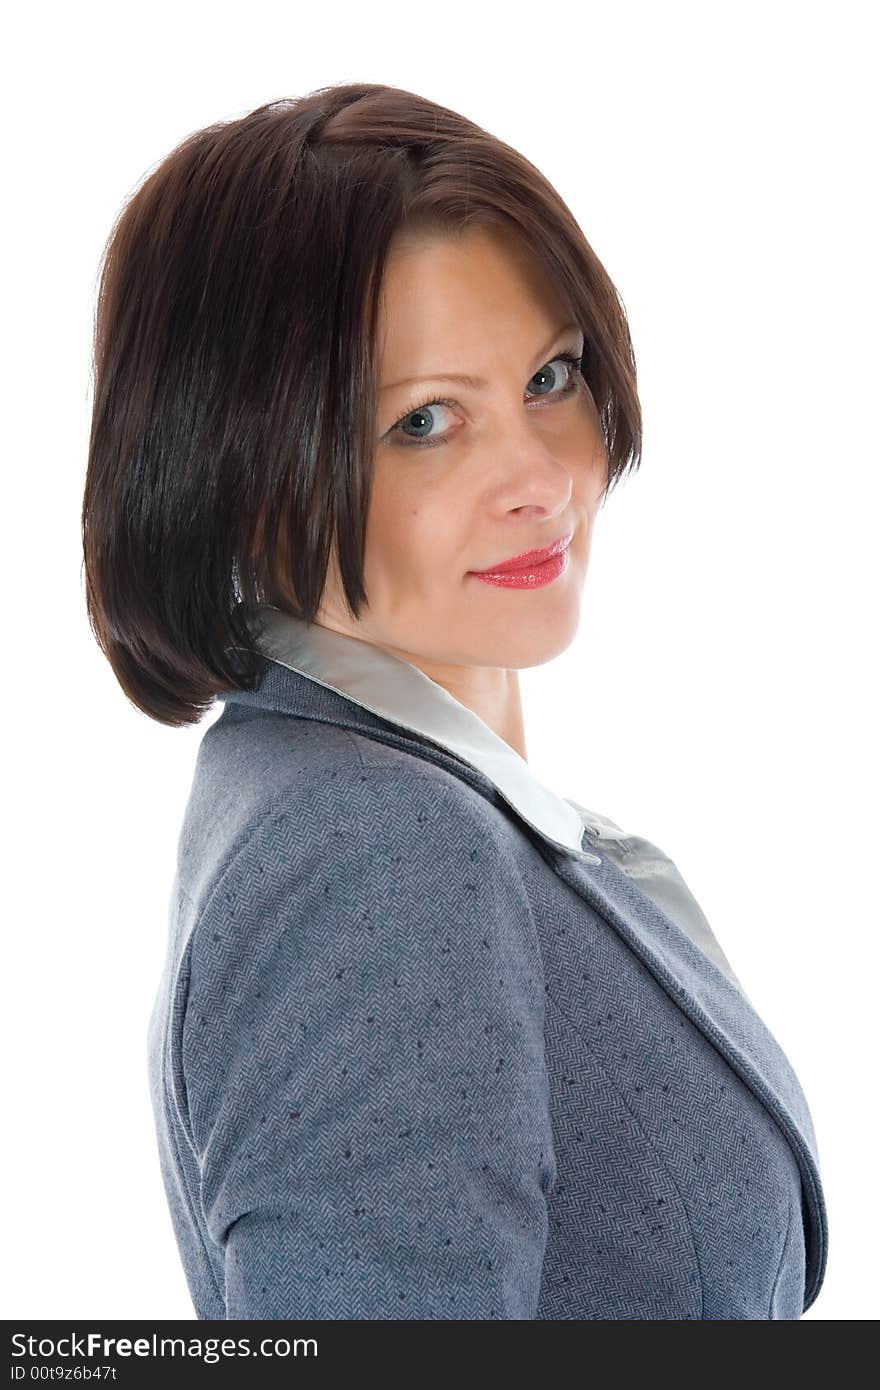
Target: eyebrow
{"points": [[476, 383]]}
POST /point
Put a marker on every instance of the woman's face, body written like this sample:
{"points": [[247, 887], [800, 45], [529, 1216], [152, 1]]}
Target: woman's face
{"points": [[505, 468]]}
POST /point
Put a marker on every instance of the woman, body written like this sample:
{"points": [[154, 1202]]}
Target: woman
{"points": [[430, 1041]]}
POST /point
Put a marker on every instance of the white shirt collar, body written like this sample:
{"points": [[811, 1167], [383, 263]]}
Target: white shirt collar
{"points": [[402, 693]]}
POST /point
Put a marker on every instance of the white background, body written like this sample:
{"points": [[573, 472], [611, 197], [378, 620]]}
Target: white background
{"points": [[720, 698]]}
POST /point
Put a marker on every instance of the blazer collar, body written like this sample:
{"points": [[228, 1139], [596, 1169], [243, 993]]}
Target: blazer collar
{"points": [[402, 694]]}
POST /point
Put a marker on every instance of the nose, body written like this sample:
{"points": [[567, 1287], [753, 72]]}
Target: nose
{"points": [[533, 477]]}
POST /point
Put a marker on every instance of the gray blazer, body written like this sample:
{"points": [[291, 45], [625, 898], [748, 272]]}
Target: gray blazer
{"points": [[431, 1042]]}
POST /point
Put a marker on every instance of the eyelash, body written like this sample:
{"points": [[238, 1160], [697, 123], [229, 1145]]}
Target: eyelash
{"points": [[571, 385]]}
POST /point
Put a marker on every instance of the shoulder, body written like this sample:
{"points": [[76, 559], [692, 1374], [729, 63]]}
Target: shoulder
{"points": [[266, 756], [355, 823], [383, 891], [336, 838], [264, 774]]}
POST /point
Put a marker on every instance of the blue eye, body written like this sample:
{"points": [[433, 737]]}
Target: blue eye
{"points": [[421, 412]]}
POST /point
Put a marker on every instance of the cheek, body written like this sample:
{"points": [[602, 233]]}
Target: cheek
{"points": [[392, 505], [588, 458], [412, 531]]}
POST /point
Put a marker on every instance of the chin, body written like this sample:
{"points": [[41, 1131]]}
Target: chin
{"points": [[533, 639]]}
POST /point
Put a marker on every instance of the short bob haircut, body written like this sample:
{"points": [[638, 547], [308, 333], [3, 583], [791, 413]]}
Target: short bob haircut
{"points": [[235, 397]]}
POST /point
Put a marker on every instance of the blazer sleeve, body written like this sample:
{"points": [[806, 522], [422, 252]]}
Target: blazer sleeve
{"points": [[363, 1054]]}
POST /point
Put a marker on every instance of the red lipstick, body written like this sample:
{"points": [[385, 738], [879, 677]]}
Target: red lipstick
{"points": [[531, 570]]}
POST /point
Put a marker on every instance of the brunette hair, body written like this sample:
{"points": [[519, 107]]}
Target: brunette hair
{"points": [[236, 311]]}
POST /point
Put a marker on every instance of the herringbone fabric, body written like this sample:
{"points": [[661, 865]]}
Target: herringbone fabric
{"points": [[407, 1061]]}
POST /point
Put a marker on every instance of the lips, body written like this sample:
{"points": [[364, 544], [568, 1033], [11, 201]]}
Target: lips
{"points": [[529, 558]]}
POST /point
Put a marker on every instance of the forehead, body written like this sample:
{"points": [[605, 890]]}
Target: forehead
{"points": [[443, 294]]}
